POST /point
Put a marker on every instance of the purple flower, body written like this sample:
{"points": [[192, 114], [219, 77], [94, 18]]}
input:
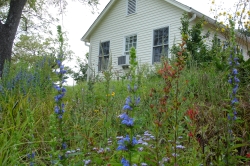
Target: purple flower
{"points": [[63, 90], [32, 155], [127, 104], [124, 162], [59, 63], [64, 145], [235, 100], [128, 121], [124, 142], [236, 80], [235, 89], [137, 101], [236, 59], [123, 116], [128, 101], [57, 109], [58, 97], [134, 141], [235, 71], [57, 87], [126, 107]]}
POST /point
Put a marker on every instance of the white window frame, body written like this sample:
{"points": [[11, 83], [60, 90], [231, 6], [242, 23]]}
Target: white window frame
{"points": [[128, 10], [126, 52], [153, 45]]}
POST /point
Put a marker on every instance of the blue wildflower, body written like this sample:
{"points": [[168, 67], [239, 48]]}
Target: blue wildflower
{"points": [[126, 107], [235, 89], [236, 59], [64, 145], [235, 100], [121, 147], [59, 63], [60, 157], [134, 141], [63, 90], [236, 80], [124, 162], [128, 101], [57, 109], [123, 143], [127, 104], [137, 101], [128, 121], [32, 155], [235, 71], [123, 115], [57, 87], [58, 97]]}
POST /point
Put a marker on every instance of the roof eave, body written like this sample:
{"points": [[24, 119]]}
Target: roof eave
{"points": [[179, 5], [85, 37]]}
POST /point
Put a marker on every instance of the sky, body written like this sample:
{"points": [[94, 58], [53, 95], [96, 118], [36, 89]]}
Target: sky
{"points": [[79, 18]]}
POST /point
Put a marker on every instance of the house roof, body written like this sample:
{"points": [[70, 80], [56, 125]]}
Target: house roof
{"points": [[173, 2]]}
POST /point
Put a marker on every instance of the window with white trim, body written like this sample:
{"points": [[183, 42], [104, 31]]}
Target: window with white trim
{"points": [[130, 41], [160, 43], [131, 8], [103, 55]]}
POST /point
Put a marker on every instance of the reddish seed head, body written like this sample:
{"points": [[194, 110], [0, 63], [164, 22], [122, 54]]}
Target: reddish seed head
{"points": [[191, 113], [190, 134]]}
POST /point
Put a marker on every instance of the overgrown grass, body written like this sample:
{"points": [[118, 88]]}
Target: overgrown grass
{"points": [[27, 110]]}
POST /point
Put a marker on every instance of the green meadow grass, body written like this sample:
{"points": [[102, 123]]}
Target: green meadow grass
{"points": [[91, 125]]}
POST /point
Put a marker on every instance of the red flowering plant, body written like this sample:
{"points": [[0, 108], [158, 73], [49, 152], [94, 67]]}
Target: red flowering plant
{"points": [[192, 114], [165, 104]]}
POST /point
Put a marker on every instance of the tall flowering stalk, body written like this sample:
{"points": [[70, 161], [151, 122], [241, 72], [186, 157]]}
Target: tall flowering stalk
{"points": [[129, 141], [108, 76], [234, 81], [170, 74], [59, 105]]}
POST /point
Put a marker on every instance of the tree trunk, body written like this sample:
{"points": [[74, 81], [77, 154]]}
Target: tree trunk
{"points": [[8, 31]]}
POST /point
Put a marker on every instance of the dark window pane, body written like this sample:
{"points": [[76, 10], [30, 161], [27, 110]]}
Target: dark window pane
{"points": [[103, 63], [104, 48], [156, 34], [158, 52]]}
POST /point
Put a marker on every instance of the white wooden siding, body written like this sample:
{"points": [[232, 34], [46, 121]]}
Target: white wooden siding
{"points": [[116, 25], [150, 15]]}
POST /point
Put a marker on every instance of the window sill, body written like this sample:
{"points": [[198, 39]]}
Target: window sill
{"points": [[131, 14]]}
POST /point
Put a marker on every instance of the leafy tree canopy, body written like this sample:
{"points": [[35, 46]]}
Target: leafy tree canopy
{"points": [[24, 22]]}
